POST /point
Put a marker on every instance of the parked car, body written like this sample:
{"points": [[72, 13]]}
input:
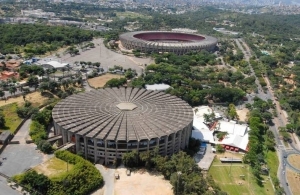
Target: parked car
{"points": [[117, 176]]}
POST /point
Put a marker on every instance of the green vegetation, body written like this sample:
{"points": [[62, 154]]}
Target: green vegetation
{"points": [[38, 128], [26, 110], [193, 81], [231, 112], [34, 182], [46, 38], [237, 179], [261, 144], [54, 167], [115, 82], [181, 169], [273, 164], [12, 120], [82, 179]]}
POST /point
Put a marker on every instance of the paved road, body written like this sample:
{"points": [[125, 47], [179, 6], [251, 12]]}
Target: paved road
{"points": [[109, 179], [5, 189], [278, 121], [23, 132], [19, 157]]}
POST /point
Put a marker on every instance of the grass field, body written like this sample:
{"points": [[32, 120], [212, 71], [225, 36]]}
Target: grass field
{"points": [[273, 163], [228, 177], [12, 120], [54, 167]]}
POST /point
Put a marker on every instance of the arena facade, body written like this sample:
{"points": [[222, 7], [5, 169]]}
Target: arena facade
{"points": [[106, 123], [167, 41]]}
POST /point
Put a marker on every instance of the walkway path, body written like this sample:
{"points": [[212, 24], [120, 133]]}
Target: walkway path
{"points": [[23, 132], [108, 175]]}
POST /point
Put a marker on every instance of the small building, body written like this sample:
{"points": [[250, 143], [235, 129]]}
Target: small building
{"points": [[5, 137], [7, 75], [54, 64]]}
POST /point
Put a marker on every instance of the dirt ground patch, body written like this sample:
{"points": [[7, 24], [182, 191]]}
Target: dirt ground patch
{"points": [[53, 167], [293, 181], [294, 160], [100, 81], [35, 98], [229, 155], [242, 114], [141, 183]]}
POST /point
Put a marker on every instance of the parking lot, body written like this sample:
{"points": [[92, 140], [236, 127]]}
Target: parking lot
{"points": [[19, 157], [106, 57]]}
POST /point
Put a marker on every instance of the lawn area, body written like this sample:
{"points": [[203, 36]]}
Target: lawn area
{"points": [[53, 167], [12, 120], [273, 163], [228, 177]]}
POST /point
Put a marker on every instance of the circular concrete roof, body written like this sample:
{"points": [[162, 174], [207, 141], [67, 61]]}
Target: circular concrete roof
{"points": [[124, 114]]}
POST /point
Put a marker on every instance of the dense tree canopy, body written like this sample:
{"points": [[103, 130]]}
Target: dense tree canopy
{"points": [[38, 39]]}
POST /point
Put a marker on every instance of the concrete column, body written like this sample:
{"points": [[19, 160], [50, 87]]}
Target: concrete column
{"points": [[77, 143], [85, 148], [166, 144], [64, 136], [95, 150], [105, 150], [69, 136], [180, 140], [183, 137], [148, 145], [173, 142]]}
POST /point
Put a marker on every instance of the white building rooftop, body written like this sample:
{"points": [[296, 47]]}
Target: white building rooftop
{"points": [[158, 87], [237, 134]]}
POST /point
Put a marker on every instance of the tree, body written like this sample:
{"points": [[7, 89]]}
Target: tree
{"points": [[2, 119], [32, 81], [44, 146], [2, 93], [36, 181], [231, 111], [220, 149], [131, 159], [12, 90]]}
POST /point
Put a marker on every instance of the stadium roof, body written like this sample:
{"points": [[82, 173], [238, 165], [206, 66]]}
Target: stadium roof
{"points": [[123, 114]]}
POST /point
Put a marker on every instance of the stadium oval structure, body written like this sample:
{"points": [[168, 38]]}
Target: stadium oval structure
{"points": [[167, 41], [106, 123]]}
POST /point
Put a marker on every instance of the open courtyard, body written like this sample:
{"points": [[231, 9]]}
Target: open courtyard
{"points": [[142, 182]]}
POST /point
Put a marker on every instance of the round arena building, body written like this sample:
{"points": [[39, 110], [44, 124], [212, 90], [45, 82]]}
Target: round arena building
{"points": [[167, 41], [106, 123]]}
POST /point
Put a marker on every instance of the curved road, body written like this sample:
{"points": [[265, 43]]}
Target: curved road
{"points": [[278, 121]]}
